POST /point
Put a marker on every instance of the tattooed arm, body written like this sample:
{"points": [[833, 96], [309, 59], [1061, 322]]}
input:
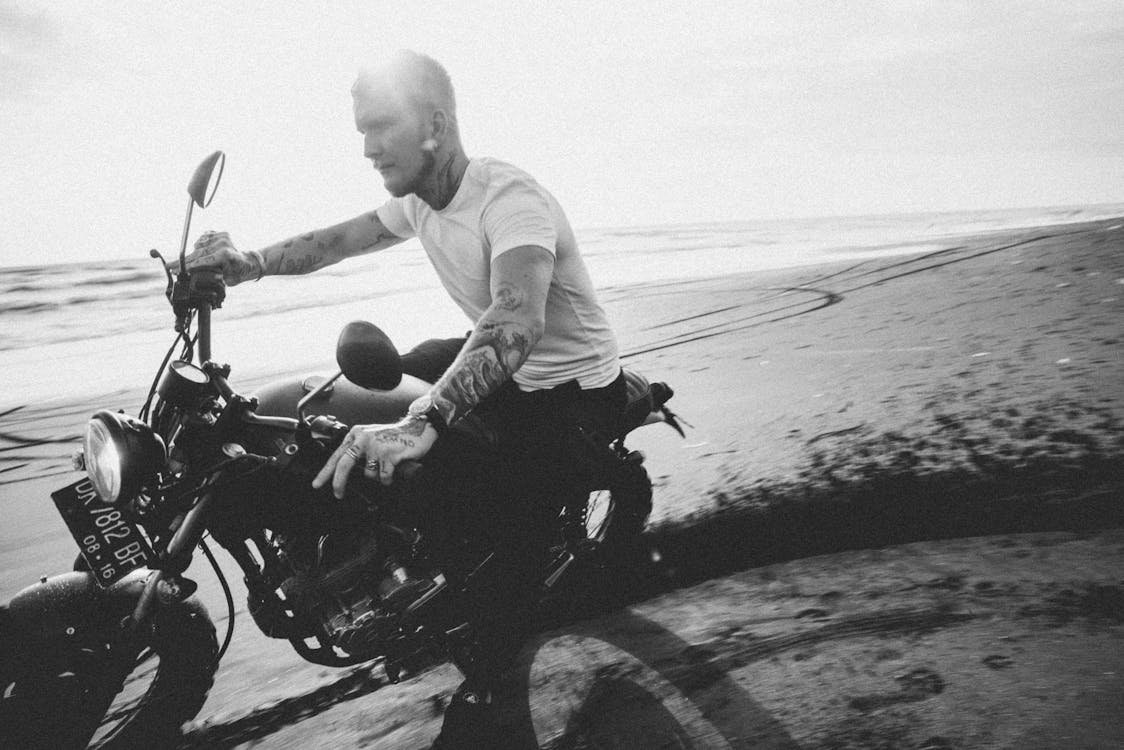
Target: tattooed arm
{"points": [[317, 249], [504, 335], [498, 346], [303, 254]]}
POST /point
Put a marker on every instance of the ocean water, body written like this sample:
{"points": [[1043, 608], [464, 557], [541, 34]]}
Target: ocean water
{"points": [[75, 331]]}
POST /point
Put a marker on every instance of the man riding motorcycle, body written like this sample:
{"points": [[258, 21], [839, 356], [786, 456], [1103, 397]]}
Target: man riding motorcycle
{"points": [[539, 373]]}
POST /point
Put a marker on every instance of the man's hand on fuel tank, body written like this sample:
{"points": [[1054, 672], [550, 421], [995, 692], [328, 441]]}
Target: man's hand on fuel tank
{"points": [[378, 449]]}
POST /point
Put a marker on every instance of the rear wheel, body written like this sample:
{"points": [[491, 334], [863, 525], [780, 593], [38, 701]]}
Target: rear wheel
{"points": [[609, 564], [79, 697], [616, 516]]}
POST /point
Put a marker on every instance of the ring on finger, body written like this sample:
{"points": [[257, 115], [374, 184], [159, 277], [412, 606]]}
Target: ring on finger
{"points": [[373, 465], [354, 452]]}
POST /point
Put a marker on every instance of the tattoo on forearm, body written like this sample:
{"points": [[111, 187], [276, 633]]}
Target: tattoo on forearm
{"points": [[307, 257], [492, 355], [509, 297], [303, 264]]}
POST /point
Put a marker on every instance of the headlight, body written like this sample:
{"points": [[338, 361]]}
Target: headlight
{"points": [[122, 453]]}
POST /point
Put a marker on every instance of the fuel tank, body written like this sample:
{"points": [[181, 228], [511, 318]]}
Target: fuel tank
{"points": [[342, 400]]}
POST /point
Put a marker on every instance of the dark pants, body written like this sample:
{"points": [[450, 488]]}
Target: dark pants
{"points": [[498, 479]]}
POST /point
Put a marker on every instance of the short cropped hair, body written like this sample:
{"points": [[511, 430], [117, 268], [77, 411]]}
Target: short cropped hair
{"points": [[423, 80]]}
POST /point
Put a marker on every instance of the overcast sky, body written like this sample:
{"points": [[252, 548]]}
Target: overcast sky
{"points": [[633, 112]]}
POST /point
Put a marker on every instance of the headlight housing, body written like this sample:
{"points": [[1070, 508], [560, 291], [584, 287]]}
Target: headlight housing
{"points": [[122, 453]]}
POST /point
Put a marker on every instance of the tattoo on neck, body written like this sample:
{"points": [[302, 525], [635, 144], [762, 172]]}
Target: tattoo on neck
{"points": [[442, 184], [445, 181]]}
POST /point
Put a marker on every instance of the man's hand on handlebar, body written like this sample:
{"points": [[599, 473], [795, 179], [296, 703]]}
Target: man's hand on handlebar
{"points": [[214, 250], [379, 449]]}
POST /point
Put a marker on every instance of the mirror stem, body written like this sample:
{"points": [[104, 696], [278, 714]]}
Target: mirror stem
{"points": [[183, 241], [313, 394]]}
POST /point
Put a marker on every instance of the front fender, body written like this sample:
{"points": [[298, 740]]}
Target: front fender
{"points": [[69, 605]]}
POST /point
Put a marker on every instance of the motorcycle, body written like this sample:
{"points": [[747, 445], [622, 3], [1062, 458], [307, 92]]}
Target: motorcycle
{"points": [[120, 653]]}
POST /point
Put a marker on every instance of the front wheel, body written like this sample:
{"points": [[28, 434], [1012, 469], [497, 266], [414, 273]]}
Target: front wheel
{"points": [[113, 696]]}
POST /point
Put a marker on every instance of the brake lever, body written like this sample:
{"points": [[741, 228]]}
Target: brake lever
{"points": [[154, 253]]}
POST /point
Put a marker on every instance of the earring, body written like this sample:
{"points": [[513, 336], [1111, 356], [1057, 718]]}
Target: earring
{"points": [[429, 145]]}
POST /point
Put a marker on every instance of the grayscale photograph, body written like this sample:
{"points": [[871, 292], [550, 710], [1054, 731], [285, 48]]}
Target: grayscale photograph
{"points": [[578, 376]]}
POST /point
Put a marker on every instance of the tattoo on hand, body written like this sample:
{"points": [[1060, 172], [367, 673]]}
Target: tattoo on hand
{"points": [[394, 439], [413, 426]]}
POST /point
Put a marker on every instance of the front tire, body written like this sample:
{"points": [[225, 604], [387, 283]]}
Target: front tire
{"points": [[169, 669]]}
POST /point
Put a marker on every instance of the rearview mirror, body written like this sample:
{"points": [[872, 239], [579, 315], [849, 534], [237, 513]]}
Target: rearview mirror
{"points": [[368, 357], [205, 181]]}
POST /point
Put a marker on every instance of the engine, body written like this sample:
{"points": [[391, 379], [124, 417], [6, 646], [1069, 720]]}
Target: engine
{"points": [[326, 587], [336, 586]]}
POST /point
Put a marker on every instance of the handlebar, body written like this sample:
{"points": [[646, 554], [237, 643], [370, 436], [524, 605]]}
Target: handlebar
{"points": [[203, 319], [202, 291]]}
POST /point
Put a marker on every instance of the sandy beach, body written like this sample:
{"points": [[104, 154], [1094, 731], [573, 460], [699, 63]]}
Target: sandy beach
{"points": [[975, 389]]}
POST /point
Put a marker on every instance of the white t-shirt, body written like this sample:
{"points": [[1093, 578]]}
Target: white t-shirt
{"points": [[499, 207]]}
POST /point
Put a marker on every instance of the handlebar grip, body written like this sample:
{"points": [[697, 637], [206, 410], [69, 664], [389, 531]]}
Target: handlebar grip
{"points": [[328, 427]]}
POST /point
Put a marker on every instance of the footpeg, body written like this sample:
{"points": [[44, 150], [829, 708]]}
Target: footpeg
{"points": [[438, 585], [557, 568]]}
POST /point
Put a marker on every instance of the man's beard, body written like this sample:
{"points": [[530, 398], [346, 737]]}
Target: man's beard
{"points": [[427, 172]]}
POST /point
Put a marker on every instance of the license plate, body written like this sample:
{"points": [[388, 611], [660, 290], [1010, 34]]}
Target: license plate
{"points": [[112, 545]]}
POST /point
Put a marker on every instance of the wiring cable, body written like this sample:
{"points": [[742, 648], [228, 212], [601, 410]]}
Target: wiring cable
{"points": [[226, 592]]}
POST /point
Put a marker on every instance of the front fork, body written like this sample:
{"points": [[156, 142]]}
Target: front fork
{"points": [[167, 583]]}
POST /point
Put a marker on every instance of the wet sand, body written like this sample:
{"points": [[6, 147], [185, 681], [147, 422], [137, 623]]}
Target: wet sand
{"points": [[973, 389]]}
